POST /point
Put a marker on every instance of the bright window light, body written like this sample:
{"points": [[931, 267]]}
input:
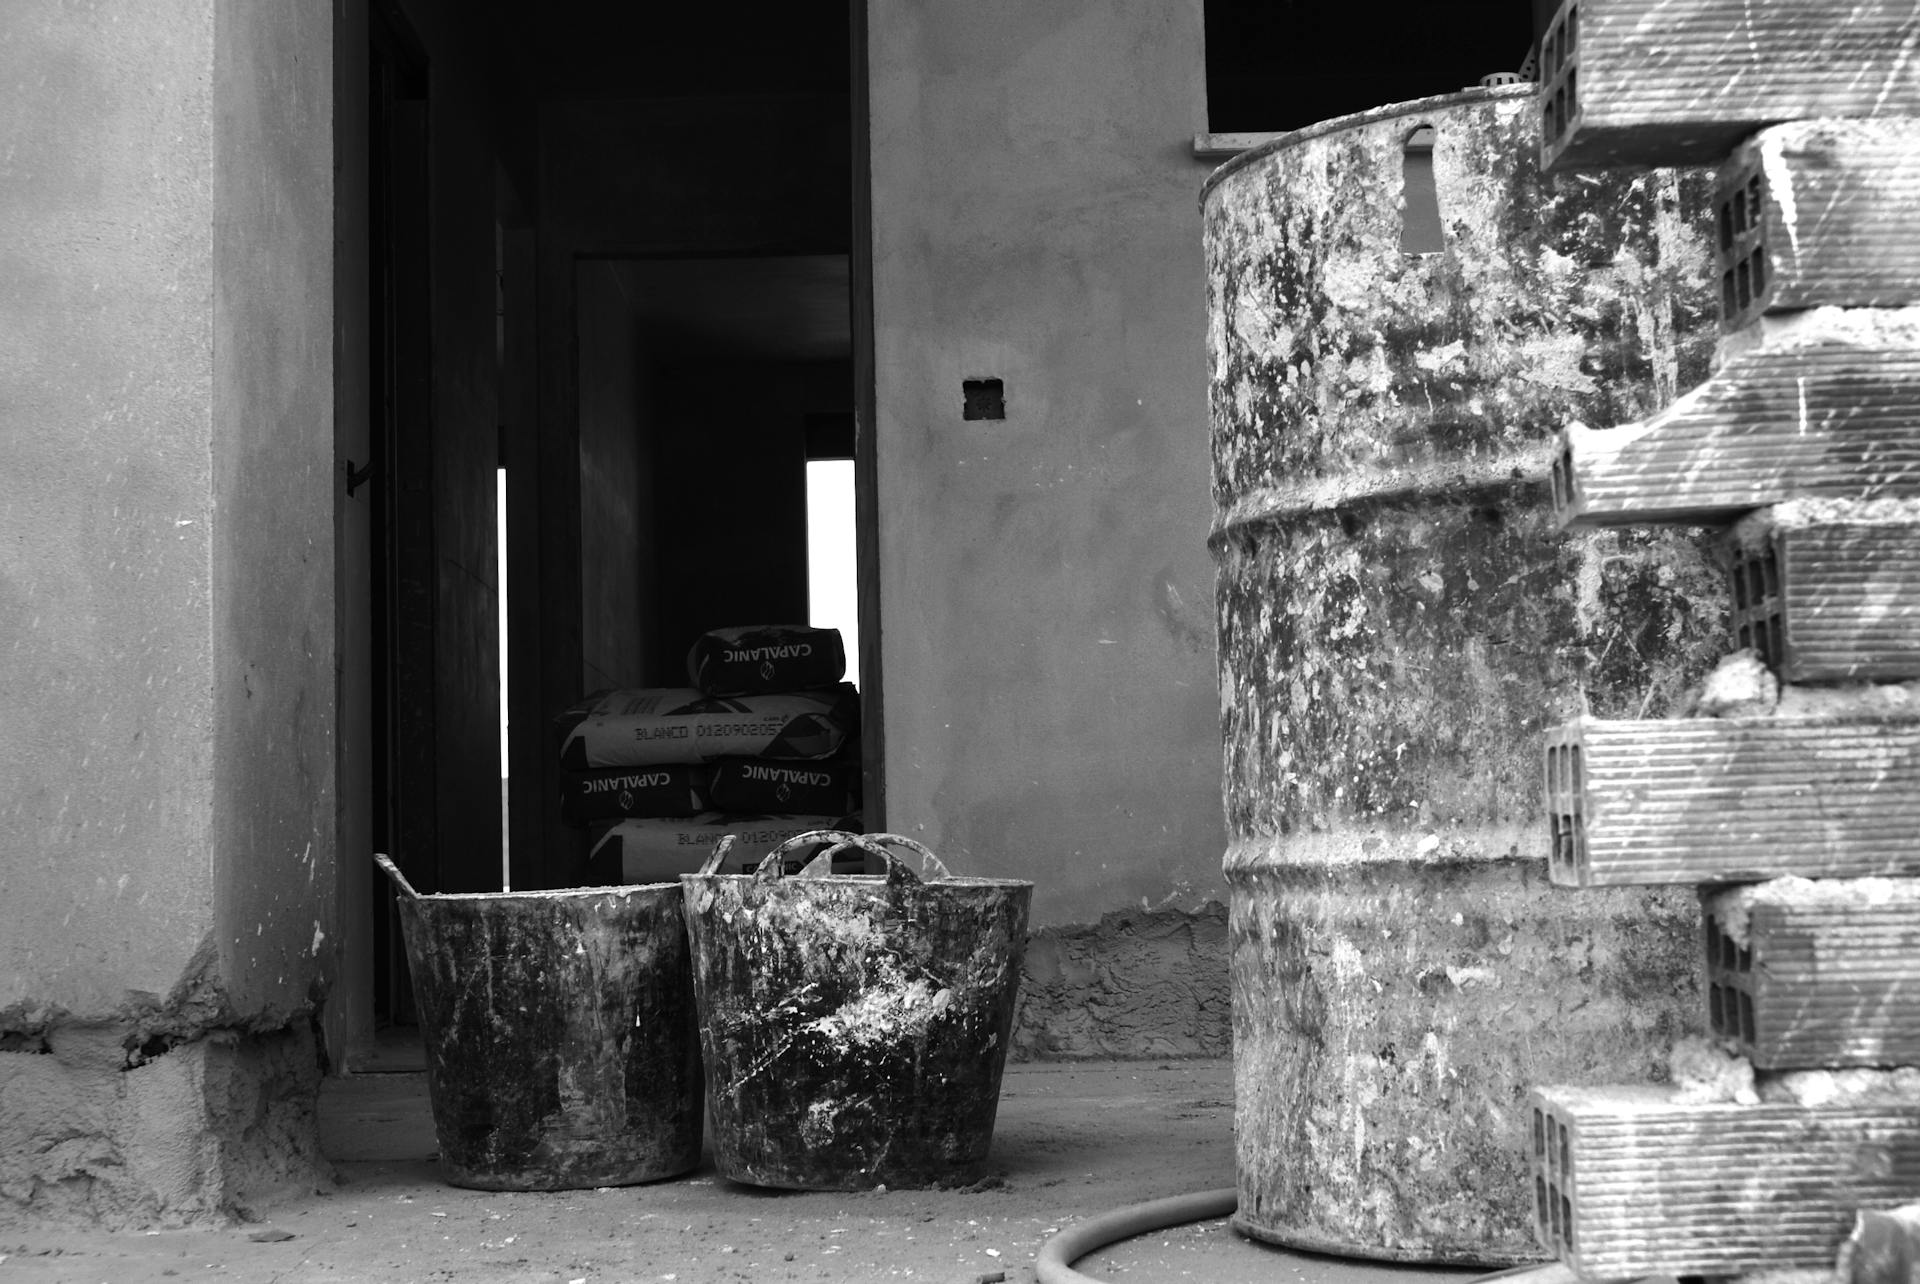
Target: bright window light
{"points": [[500, 571], [833, 593], [500, 547]]}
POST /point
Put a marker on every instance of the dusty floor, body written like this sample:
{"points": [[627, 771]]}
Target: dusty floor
{"points": [[1072, 1141]]}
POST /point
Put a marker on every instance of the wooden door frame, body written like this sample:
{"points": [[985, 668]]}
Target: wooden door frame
{"points": [[866, 467]]}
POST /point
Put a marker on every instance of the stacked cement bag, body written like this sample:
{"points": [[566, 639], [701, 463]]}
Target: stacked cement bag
{"points": [[761, 747]]}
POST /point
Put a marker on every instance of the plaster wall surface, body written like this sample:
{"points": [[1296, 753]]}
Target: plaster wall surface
{"points": [[1046, 592], [274, 484], [107, 699], [165, 674]]}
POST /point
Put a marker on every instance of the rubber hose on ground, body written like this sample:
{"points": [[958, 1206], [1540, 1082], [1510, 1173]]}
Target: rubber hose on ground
{"points": [[1057, 1255]]}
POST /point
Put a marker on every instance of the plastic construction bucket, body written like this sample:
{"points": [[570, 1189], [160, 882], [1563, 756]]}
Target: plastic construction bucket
{"points": [[855, 1025], [559, 1034]]}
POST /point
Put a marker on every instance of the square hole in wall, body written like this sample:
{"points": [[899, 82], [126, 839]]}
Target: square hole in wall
{"points": [[982, 399]]}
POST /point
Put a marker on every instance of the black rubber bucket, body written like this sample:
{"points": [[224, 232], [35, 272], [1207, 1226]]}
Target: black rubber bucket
{"points": [[855, 1025], [559, 1030]]}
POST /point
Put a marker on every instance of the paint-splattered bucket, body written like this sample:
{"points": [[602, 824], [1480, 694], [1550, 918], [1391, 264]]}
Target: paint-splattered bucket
{"points": [[559, 1034], [855, 1025]]}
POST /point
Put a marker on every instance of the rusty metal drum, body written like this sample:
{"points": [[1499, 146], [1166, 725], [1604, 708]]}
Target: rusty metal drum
{"points": [[559, 1030], [1399, 620], [855, 1026]]}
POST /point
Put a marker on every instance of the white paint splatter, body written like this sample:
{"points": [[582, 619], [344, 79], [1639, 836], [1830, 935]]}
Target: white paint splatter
{"points": [[1780, 183], [1435, 359], [1462, 977], [1347, 962], [892, 1011]]}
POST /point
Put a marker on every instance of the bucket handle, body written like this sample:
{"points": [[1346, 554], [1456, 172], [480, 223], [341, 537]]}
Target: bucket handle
{"points": [[874, 844], [393, 872], [717, 856]]}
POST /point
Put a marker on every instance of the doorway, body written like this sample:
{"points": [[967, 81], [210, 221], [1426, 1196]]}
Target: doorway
{"points": [[669, 329], [399, 494]]}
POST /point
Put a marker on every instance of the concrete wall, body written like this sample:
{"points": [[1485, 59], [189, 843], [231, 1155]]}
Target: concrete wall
{"points": [[1047, 589], [166, 855], [273, 485], [106, 388], [1047, 596]]}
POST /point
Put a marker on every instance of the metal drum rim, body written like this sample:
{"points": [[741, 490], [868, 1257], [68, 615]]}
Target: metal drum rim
{"points": [[1353, 120]]}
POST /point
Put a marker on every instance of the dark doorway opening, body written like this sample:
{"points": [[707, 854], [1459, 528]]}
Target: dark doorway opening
{"points": [[400, 477], [702, 250], [700, 379], [678, 247]]}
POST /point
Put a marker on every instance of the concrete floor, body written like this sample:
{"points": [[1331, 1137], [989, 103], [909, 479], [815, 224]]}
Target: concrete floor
{"points": [[1072, 1140]]}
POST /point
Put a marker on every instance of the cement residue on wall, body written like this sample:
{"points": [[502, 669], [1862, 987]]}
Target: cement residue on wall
{"points": [[197, 1133], [1138, 983]]}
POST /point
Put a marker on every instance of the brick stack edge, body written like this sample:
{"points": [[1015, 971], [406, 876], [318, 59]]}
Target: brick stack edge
{"points": [[1793, 805]]}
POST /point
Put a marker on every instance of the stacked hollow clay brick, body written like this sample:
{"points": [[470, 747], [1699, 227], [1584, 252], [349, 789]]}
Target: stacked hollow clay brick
{"points": [[1792, 798]]}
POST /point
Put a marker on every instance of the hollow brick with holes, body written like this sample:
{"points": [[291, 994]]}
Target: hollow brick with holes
{"points": [[1829, 592], [1805, 975], [1819, 213], [1631, 1181], [1823, 404], [1722, 800], [1682, 82]]}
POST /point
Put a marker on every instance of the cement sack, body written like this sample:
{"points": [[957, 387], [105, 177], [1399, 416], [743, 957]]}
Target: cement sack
{"points": [[756, 785], [623, 793], [761, 658], [675, 724], [659, 851]]}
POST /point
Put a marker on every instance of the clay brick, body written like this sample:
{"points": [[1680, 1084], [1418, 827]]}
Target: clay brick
{"points": [[1819, 213], [1806, 975], [1680, 82], [1817, 404], [1829, 591], [1720, 800], [1630, 1181]]}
